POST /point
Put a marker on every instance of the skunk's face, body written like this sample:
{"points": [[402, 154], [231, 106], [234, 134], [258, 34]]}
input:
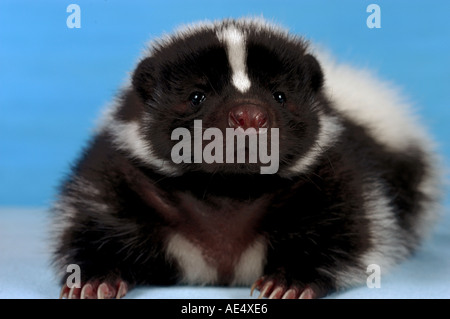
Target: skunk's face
{"points": [[230, 77]]}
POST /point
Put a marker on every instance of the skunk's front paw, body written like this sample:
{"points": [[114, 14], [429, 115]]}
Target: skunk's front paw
{"points": [[96, 289], [277, 287]]}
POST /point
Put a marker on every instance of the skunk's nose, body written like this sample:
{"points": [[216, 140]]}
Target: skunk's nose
{"points": [[247, 116]]}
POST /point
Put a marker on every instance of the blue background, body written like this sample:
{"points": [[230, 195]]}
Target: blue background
{"points": [[54, 81]]}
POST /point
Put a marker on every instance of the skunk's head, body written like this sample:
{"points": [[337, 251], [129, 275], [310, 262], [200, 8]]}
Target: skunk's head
{"points": [[216, 78]]}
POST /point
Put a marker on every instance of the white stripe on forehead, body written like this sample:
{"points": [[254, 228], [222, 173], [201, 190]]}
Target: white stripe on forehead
{"points": [[234, 40]]}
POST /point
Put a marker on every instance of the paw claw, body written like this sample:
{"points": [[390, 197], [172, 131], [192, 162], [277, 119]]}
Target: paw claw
{"points": [[122, 290], [74, 293], [64, 292], [278, 288], [277, 293], [103, 291], [308, 293], [266, 289], [291, 293], [96, 290], [256, 285], [87, 292]]}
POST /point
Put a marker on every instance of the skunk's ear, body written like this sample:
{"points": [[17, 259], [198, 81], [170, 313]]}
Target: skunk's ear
{"points": [[313, 71], [143, 78]]}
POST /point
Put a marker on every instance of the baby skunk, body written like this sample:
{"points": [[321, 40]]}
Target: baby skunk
{"points": [[353, 181]]}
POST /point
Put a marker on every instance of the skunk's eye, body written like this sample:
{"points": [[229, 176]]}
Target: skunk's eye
{"points": [[197, 98], [279, 97]]}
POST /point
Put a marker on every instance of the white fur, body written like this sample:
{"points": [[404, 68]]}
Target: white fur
{"points": [[127, 137], [387, 238], [107, 116], [329, 131], [62, 220], [234, 40], [195, 270], [82, 185], [65, 204], [251, 263], [67, 213], [433, 187], [377, 105]]}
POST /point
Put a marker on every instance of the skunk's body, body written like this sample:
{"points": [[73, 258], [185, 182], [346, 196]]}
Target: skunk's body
{"points": [[356, 183]]}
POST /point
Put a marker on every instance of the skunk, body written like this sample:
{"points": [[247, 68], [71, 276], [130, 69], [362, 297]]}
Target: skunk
{"points": [[328, 172]]}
